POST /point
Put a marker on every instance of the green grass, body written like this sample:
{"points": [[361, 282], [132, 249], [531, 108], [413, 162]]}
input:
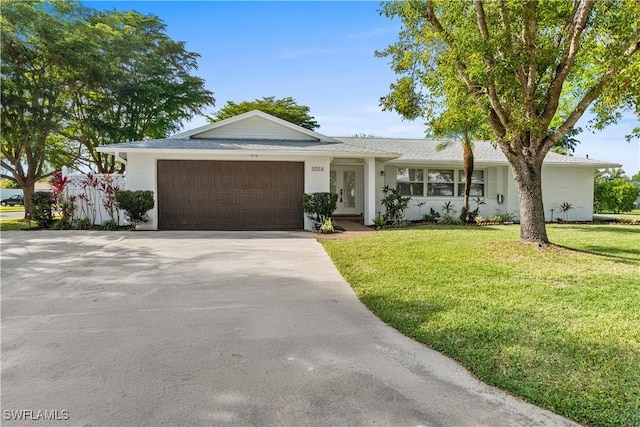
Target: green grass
{"points": [[8, 224], [15, 208], [635, 214], [558, 326]]}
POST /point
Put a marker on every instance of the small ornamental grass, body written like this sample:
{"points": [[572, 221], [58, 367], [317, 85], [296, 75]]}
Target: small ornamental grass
{"points": [[558, 326]]}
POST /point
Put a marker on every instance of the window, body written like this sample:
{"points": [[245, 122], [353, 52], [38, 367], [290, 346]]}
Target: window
{"points": [[477, 183], [440, 182], [410, 182]]}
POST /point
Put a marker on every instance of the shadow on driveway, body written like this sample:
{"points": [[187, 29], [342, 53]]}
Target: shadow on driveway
{"points": [[222, 328]]}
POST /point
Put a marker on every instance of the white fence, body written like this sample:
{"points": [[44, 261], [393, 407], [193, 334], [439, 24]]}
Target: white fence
{"points": [[93, 196]]}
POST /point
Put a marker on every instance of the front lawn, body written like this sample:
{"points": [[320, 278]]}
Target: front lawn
{"points": [[8, 224], [633, 215], [559, 327]]}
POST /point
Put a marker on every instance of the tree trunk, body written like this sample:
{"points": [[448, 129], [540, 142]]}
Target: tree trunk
{"points": [[27, 191], [468, 172], [528, 177]]}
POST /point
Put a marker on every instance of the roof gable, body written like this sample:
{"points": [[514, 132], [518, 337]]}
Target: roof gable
{"points": [[254, 125]]}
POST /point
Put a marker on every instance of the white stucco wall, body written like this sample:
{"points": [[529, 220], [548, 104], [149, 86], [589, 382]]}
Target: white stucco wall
{"points": [[573, 185]]}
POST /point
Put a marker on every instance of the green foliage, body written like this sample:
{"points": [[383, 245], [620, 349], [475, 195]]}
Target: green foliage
{"points": [[507, 217], [72, 75], [320, 206], [42, 211], [286, 109], [527, 70], [41, 44], [636, 177], [395, 204], [568, 142], [135, 204], [131, 94], [327, 226], [449, 218], [379, 222], [614, 196], [8, 183], [110, 224], [432, 216], [82, 224]]}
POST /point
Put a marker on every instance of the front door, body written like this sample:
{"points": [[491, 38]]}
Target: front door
{"points": [[346, 182]]}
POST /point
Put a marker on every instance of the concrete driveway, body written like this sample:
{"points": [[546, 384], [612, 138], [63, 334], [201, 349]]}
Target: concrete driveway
{"points": [[214, 328]]}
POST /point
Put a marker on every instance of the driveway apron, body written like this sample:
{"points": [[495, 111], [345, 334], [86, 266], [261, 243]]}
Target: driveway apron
{"points": [[214, 328]]}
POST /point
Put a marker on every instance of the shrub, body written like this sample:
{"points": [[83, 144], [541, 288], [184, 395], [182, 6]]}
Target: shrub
{"points": [[135, 204], [42, 208], [432, 216], [507, 217], [379, 222], [320, 206], [614, 196], [450, 218], [110, 224], [327, 226], [395, 205], [82, 224], [494, 219]]}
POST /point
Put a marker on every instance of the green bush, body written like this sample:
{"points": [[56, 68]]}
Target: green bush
{"points": [[614, 196], [135, 205], [42, 211], [395, 205], [320, 206]]}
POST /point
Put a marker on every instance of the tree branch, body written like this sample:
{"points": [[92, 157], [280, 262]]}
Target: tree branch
{"points": [[495, 120], [507, 34], [491, 86], [580, 17], [529, 38], [586, 100]]}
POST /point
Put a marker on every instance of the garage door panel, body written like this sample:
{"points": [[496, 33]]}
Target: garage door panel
{"points": [[230, 195]]}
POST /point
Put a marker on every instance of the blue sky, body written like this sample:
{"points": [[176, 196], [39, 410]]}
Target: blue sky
{"points": [[322, 55]]}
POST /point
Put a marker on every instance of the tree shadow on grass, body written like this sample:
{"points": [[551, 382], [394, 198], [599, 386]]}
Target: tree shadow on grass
{"points": [[623, 255], [610, 229]]}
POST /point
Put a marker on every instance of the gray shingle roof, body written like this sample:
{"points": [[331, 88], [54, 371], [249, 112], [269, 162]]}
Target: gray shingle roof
{"points": [[401, 150], [247, 145], [423, 150]]}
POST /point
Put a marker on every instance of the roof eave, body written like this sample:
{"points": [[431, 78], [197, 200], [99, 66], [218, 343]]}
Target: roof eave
{"points": [[315, 153]]}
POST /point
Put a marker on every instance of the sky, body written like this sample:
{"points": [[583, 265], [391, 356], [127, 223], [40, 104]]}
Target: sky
{"points": [[322, 55]]}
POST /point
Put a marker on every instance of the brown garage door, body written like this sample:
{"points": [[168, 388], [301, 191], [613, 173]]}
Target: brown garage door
{"points": [[230, 195]]}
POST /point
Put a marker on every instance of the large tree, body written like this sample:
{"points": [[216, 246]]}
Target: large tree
{"points": [[286, 109], [140, 85], [528, 65], [74, 78], [40, 44]]}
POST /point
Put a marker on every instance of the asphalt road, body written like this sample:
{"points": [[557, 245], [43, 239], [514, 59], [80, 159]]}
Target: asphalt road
{"points": [[19, 214], [186, 328]]}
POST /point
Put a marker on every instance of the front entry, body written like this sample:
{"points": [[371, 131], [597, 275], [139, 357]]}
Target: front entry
{"points": [[346, 182]]}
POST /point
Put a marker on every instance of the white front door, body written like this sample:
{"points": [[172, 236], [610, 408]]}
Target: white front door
{"points": [[346, 182]]}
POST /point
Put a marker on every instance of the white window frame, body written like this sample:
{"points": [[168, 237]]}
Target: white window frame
{"points": [[460, 182], [452, 182], [412, 185]]}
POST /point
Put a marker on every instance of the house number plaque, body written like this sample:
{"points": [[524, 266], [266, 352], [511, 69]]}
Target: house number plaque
{"points": [[317, 168]]}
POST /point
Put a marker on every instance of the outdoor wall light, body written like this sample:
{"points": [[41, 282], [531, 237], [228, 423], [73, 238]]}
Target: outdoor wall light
{"points": [[381, 173]]}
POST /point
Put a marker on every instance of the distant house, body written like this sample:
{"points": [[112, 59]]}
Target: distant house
{"points": [[251, 171]]}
